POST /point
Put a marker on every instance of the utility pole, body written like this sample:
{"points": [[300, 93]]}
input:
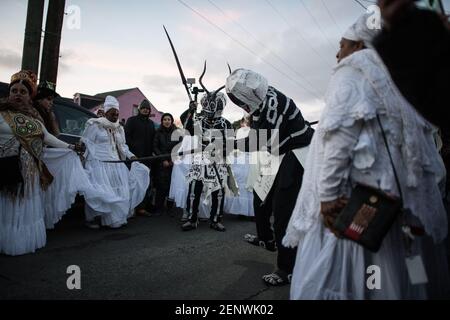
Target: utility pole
{"points": [[52, 40], [32, 40]]}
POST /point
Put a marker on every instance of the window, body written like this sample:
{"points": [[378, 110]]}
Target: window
{"points": [[71, 120]]}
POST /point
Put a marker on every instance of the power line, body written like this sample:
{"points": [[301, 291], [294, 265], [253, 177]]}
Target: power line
{"points": [[246, 48], [369, 1], [330, 14], [263, 45], [297, 33], [317, 23], [359, 2]]}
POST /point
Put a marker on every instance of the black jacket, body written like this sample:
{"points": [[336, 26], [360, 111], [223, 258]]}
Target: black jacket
{"points": [[139, 134], [279, 112], [162, 143]]}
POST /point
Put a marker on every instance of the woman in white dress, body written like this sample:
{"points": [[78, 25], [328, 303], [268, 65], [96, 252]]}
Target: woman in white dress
{"points": [[25, 177], [348, 148], [105, 141]]}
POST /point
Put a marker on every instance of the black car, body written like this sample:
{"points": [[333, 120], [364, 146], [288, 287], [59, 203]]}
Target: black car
{"points": [[71, 119], [70, 116]]}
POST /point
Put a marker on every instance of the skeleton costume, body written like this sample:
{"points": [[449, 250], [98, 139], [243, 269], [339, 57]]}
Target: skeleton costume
{"points": [[208, 174], [273, 111]]}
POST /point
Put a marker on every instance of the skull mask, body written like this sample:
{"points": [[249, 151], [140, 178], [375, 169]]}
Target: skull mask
{"points": [[214, 102], [213, 105]]}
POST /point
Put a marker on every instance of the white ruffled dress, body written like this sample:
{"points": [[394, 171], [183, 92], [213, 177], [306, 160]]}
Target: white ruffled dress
{"points": [[70, 179], [126, 188], [22, 220], [348, 146]]}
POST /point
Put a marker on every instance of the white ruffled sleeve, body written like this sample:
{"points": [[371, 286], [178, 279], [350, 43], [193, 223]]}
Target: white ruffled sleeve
{"points": [[338, 149], [51, 140], [124, 145], [88, 138]]}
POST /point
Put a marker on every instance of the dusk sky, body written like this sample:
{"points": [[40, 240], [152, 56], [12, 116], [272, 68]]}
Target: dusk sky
{"points": [[121, 44]]}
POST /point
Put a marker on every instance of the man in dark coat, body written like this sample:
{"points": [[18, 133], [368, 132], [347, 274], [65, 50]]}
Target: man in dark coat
{"points": [[139, 133]]}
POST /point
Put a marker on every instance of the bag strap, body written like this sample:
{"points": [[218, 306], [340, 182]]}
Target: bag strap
{"points": [[397, 181]]}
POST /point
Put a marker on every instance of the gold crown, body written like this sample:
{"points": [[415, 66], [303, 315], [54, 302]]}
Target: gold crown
{"points": [[28, 76]]}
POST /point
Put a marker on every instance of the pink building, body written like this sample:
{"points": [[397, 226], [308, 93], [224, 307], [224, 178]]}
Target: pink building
{"points": [[129, 100]]}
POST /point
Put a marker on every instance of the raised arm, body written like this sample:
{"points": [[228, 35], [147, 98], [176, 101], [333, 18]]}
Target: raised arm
{"points": [[51, 140], [187, 118]]}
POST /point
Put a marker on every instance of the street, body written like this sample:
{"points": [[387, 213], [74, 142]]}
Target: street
{"points": [[150, 258]]}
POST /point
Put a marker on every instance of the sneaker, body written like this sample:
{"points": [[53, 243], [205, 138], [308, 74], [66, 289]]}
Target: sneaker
{"points": [[92, 224], [277, 278], [269, 245], [217, 226], [116, 225], [189, 226]]}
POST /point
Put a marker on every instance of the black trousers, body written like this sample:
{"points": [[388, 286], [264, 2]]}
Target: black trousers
{"points": [[280, 202], [162, 185], [193, 202]]}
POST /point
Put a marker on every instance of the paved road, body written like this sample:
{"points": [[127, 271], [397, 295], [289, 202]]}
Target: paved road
{"points": [[151, 258]]}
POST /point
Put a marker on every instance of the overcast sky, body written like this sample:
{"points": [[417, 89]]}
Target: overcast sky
{"points": [[121, 44]]}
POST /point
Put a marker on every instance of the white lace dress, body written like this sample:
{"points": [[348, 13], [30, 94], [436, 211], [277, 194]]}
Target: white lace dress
{"points": [[348, 146]]}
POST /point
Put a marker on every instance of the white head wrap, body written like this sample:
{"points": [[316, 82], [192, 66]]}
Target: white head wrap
{"points": [[110, 103], [360, 31], [247, 86]]}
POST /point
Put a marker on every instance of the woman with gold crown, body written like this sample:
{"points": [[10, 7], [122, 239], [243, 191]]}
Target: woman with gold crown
{"points": [[25, 176]]}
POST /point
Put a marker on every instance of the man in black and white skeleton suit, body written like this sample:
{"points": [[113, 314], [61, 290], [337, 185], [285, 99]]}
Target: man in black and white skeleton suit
{"points": [[272, 110], [209, 173]]}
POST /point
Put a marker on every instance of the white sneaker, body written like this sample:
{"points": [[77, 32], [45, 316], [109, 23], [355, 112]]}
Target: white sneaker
{"points": [[92, 224], [117, 225]]}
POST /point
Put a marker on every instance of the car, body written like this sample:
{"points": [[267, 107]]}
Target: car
{"points": [[71, 117]]}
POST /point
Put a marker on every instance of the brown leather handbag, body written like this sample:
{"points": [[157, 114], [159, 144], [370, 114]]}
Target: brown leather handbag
{"points": [[370, 212]]}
